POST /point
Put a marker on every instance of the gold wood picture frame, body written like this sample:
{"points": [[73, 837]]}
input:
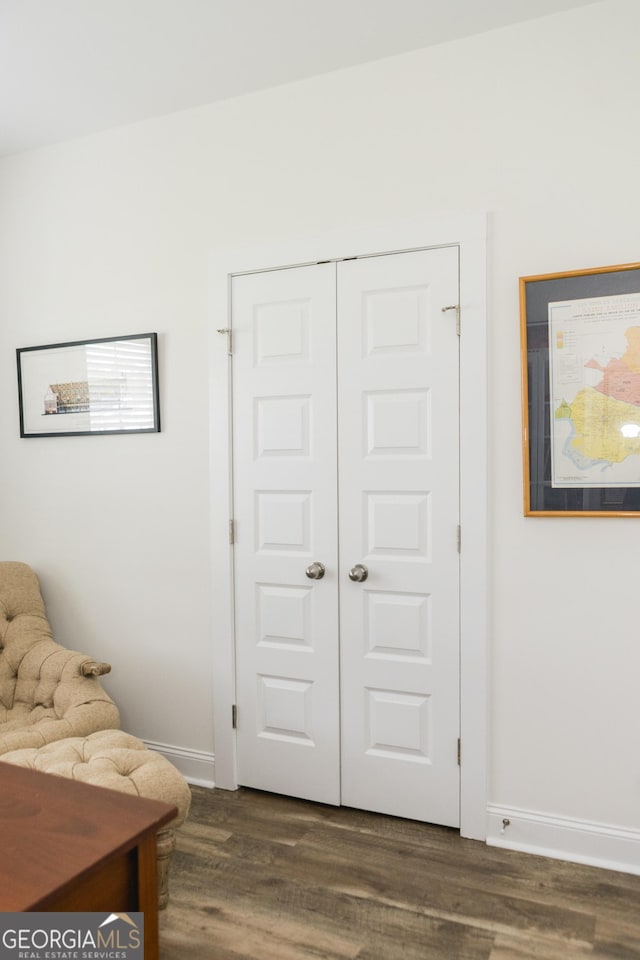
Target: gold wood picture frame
{"points": [[580, 355]]}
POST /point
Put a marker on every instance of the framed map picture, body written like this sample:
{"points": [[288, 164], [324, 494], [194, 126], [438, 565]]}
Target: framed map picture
{"points": [[581, 392]]}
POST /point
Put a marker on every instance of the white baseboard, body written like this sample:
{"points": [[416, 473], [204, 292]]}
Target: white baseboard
{"points": [[595, 844], [196, 766]]}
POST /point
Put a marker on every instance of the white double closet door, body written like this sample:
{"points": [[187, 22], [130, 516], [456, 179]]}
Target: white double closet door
{"points": [[346, 464]]}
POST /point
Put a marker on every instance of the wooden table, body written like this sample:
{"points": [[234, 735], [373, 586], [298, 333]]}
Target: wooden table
{"points": [[71, 846]]}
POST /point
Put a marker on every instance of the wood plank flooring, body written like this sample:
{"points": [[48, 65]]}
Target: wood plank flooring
{"points": [[262, 877]]}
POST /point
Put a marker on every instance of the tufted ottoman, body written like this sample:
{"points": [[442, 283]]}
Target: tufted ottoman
{"points": [[114, 759]]}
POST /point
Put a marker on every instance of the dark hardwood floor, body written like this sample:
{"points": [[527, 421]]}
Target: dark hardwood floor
{"points": [[270, 878]]}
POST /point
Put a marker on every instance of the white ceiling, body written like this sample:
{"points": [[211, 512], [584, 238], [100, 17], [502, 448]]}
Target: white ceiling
{"points": [[71, 67]]}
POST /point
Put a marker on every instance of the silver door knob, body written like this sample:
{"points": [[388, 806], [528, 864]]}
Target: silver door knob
{"points": [[359, 573], [315, 571]]}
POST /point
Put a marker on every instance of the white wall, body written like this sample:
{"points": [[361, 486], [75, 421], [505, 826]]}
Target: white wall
{"points": [[535, 123]]}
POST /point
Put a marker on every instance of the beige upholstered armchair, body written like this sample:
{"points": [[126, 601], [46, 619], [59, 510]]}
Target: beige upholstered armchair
{"points": [[46, 691]]}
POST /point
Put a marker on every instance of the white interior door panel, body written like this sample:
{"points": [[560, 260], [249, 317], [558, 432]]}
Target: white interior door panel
{"points": [[284, 409], [398, 516]]}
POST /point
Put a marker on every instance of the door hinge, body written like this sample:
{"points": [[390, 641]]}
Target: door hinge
{"points": [[234, 716], [459, 751], [232, 531], [228, 332], [456, 307], [459, 538]]}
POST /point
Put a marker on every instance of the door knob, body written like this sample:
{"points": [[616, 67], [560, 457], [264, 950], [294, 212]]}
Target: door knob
{"points": [[359, 573], [315, 571]]}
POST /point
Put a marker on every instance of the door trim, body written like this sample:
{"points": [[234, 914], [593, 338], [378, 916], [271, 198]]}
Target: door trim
{"points": [[469, 233]]}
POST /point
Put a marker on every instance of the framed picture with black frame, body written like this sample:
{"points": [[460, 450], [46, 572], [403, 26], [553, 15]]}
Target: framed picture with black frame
{"points": [[103, 386], [580, 355]]}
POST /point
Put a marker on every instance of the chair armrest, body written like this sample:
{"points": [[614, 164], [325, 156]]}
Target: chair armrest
{"points": [[94, 669], [51, 675]]}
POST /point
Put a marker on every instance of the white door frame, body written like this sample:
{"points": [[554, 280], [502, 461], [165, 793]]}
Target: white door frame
{"points": [[469, 233]]}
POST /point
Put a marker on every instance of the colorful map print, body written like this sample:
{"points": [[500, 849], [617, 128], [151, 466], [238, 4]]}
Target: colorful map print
{"points": [[595, 391]]}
